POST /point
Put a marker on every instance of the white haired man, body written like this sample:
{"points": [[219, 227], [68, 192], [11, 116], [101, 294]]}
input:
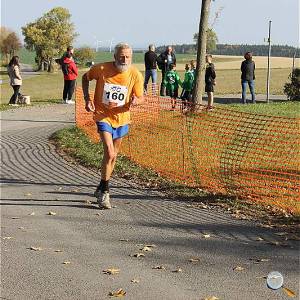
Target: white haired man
{"points": [[119, 85]]}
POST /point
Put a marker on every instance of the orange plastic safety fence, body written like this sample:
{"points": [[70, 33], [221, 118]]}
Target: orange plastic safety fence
{"points": [[223, 150]]}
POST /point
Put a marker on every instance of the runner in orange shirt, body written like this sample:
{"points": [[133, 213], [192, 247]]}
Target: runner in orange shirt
{"points": [[119, 85]]}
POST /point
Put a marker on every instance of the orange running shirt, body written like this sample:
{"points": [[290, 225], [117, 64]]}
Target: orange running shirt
{"points": [[113, 92]]}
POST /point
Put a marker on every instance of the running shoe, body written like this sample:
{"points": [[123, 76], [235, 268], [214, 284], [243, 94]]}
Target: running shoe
{"points": [[103, 201]]}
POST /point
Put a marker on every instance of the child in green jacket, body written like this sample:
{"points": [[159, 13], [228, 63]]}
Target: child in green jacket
{"points": [[172, 82], [187, 85]]}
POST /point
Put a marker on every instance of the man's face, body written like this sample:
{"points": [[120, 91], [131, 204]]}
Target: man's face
{"points": [[123, 59]]}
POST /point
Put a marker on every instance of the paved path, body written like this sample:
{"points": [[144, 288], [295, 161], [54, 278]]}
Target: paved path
{"points": [[36, 180], [27, 71]]}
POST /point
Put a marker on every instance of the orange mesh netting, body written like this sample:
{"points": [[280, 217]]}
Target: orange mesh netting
{"points": [[223, 151]]}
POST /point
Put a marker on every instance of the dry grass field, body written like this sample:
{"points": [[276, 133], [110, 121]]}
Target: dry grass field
{"points": [[46, 86]]}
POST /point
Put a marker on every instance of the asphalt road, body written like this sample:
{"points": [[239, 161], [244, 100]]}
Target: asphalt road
{"points": [[35, 180]]}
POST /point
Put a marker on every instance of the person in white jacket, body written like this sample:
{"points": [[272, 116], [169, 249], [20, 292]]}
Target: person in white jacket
{"points": [[13, 70]]}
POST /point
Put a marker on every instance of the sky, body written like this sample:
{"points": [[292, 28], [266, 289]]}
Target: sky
{"points": [[141, 22]]}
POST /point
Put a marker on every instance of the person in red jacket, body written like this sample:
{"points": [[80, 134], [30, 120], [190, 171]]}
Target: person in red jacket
{"points": [[70, 72]]}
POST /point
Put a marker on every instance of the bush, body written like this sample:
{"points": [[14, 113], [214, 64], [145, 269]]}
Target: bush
{"points": [[84, 54], [292, 89]]}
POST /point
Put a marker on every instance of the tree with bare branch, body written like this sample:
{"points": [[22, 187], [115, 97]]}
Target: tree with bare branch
{"points": [[201, 52]]}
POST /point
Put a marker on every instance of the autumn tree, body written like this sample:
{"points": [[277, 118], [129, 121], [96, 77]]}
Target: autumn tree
{"points": [[9, 43], [49, 35], [84, 54], [211, 40]]}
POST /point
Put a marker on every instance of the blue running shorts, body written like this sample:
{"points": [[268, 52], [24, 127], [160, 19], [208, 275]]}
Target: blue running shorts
{"points": [[116, 133]]}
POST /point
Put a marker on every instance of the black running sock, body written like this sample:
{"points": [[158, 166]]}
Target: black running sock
{"points": [[103, 186]]}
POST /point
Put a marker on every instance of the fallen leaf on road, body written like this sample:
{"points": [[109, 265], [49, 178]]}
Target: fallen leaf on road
{"points": [[28, 194], [134, 280], [178, 270], [87, 202], [139, 255], [75, 191], [193, 260], [118, 293], [151, 246], [51, 213], [292, 238], [36, 248], [261, 277], [203, 206], [206, 236], [146, 249], [238, 268], [60, 188], [210, 298], [258, 260], [66, 262], [266, 226], [111, 271], [289, 292], [274, 243], [21, 228], [7, 237], [32, 214], [259, 239], [281, 233], [160, 267], [98, 214], [124, 240], [57, 250]]}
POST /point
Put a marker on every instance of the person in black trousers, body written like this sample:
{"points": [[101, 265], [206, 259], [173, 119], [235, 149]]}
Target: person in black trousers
{"points": [[248, 77], [164, 60], [70, 72], [13, 70], [150, 59]]}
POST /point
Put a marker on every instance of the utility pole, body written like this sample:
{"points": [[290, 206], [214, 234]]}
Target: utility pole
{"points": [[294, 58], [269, 64]]}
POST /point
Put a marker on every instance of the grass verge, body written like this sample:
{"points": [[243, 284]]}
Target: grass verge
{"points": [[4, 107], [74, 144], [289, 109]]}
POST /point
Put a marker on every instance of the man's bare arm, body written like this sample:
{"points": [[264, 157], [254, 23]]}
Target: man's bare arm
{"points": [[89, 105], [85, 88]]}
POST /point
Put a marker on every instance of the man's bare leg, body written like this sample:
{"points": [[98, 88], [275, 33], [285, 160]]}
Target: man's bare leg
{"points": [[111, 149]]}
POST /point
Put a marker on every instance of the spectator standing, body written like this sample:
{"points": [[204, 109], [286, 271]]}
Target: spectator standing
{"points": [[13, 70], [70, 72], [248, 77], [171, 83], [150, 59], [164, 60], [210, 81]]}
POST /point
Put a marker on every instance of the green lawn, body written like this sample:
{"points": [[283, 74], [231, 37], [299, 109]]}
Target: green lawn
{"points": [[289, 109]]}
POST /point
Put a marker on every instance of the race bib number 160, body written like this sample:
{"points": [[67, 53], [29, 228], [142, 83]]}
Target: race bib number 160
{"points": [[114, 95]]}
